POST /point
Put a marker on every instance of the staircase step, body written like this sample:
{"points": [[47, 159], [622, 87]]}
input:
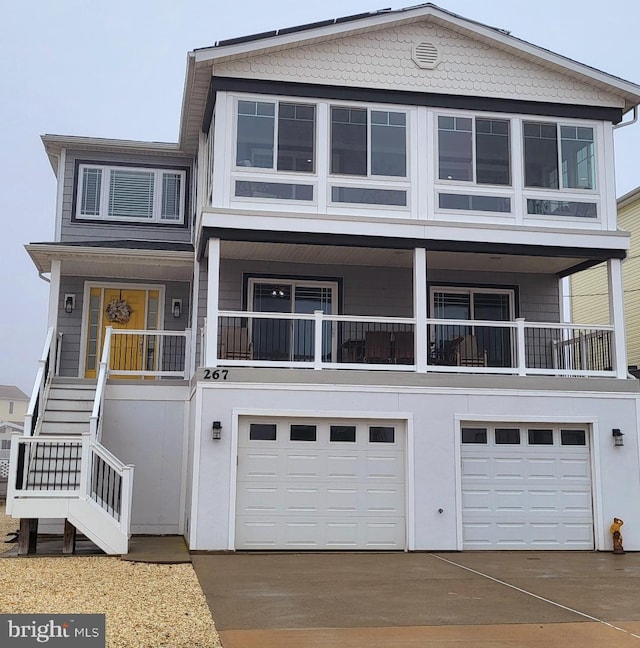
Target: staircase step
{"points": [[71, 393], [66, 416], [53, 427], [64, 404]]}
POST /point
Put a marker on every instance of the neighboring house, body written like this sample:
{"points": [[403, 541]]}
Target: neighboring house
{"points": [[13, 404], [589, 295], [329, 317]]}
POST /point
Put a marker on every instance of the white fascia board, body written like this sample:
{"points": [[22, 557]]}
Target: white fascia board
{"points": [[491, 35], [42, 254], [396, 229], [53, 145]]}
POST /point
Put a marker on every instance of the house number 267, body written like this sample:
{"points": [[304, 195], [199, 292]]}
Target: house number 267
{"points": [[216, 374]]}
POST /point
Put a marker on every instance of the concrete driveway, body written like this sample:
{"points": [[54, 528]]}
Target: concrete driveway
{"points": [[394, 600]]}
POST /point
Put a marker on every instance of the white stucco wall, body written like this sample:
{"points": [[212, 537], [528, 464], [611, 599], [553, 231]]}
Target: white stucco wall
{"points": [[434, 416]]}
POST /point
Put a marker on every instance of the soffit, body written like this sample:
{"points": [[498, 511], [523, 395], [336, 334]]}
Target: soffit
{"points": [[110, 262], [360, 256]]}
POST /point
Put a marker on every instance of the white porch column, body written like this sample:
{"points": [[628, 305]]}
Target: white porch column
{"points": [[616, 312], [213, 292], [420, 308], [54, 294]]}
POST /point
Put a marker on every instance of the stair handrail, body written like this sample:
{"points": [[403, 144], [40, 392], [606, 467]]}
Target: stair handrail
{"points": [[95, 422], [125, 471], [46, 365]]}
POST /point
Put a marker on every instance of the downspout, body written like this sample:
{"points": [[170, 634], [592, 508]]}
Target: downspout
{"points": [[628, 123]]}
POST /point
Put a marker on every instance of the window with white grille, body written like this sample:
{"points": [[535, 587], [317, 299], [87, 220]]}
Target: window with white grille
{"points": [[130, 194]]}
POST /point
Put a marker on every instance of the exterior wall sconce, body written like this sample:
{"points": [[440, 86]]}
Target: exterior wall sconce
{"points": [[69, 303], [217, 430], [176, 308], [617, 437]]}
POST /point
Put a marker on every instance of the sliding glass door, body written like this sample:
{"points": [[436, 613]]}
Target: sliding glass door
{"points": [[287, 339], [459, 303]]}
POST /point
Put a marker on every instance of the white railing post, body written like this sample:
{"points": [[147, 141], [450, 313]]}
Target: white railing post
{"points": [[521, 346], [85, 470], [126, 499], [317, 339], [188, 360], [421, 329], [13, 469], [203, 342]]}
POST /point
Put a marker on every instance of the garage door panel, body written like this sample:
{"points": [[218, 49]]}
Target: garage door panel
{"points": [[477, 500], [258, 499], [343, 500], [574, 469], [306, 500], [510, 500], [343, 467], [508, 468], [307, 466], [384, 467], [260, 465], [476, 468], [544, 500]]}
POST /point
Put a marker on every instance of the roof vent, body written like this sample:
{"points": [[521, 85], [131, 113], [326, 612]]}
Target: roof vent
{"points": [[425, 55]]}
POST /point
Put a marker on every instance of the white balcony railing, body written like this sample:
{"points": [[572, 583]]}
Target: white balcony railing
{"points": [[322, 341]]}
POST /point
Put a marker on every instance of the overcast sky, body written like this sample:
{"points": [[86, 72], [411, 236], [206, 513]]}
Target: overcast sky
{"points": [[116, 69]]}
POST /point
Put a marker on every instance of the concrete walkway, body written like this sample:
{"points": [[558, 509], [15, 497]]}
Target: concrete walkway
{"points": [[477, 599]]}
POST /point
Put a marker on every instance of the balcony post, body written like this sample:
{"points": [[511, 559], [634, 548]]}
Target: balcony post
{"points": [[521, 345], [317, 339], [616, 311], [421, 332], [213, 291]]}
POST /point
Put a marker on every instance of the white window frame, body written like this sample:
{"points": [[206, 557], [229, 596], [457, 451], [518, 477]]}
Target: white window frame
{"points": [[105, 183], [593, 191], [473, 182]]}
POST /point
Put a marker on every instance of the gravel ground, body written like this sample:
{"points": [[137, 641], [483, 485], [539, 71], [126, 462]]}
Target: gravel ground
{"points": [[146, 605]]}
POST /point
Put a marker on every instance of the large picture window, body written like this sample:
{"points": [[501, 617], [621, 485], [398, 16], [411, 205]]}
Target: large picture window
{"points": [[130, 193], [367, 142], [558, 156], [474, 150], [276, 135]]}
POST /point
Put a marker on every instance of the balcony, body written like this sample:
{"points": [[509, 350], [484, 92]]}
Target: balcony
{"points": [[321, 341]]}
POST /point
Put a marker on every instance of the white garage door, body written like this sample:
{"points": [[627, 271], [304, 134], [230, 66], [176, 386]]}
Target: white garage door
{"points": [[320, 484], [526, 487]]}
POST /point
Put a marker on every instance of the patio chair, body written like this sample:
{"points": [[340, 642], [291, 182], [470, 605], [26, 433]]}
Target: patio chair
{"points": [[403, 351], [468, 353], [235, 344], [377, 347]]}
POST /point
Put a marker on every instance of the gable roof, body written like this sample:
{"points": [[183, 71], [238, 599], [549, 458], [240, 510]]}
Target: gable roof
{"points": [[11, 392], [201, 62]]}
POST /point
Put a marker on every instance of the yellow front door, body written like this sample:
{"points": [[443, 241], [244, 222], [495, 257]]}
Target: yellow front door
{"points": [[133, 310]]}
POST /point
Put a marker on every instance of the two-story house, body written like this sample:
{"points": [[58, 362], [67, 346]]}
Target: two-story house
{"points": [[330, 317]]}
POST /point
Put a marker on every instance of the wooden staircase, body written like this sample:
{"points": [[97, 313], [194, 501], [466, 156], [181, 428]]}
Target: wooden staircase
{"points": [[62, 471]]}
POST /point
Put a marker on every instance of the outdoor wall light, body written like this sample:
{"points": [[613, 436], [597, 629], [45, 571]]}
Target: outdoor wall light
{"points": [[176, 307], [69, 303], [217, 430], [617, 437]]}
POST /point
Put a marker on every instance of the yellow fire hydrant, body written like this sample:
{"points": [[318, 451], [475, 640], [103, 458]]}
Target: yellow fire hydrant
{"points": [[617, 536]]}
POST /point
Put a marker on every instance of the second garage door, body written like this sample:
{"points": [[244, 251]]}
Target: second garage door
{"points": [[526, 487], [320, 484]]}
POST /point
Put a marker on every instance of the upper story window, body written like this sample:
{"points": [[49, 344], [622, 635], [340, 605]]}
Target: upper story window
{"points": [[474, 150], [276, 135], [367, 142], [571, 165], [131, 193]]}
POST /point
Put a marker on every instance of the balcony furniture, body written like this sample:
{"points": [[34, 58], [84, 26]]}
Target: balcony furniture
{"points": [[353, 350], [403, 347], [468, 354], [235, 344], [377, 347]]}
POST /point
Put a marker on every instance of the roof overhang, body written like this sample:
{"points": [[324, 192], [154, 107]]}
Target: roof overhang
{"points": [[54, 144], [201, 62], [88, 261]]}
